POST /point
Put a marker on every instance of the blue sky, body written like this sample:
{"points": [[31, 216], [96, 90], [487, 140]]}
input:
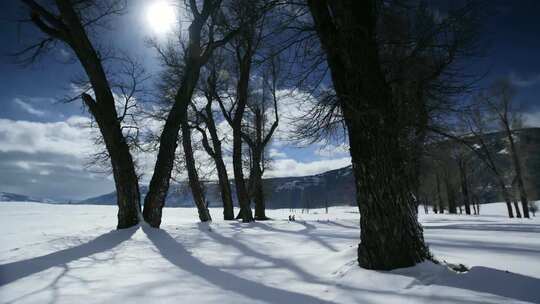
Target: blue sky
{"points": [[33, 123]]}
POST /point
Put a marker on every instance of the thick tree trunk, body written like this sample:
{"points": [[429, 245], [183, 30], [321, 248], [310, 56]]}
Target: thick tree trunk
{"points": [[241, 191], [125, 177], [391, 236], [225, 187], [242, 95], [450, 196], [258, 191], [127, 188], [104, 111], [194, 182], [168, 142]]}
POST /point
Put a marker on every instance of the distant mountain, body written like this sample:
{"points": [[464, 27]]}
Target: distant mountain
{"points": [[13, 197], [335, 187], [330, 188]]}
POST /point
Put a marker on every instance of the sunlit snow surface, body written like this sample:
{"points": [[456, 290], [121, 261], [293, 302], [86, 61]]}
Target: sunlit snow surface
{"points": [[69, 254]]}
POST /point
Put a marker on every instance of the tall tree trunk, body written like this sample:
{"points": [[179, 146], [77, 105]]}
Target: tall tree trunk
{"points": [[242, 96], [168, 142], [223, 176], [258, 191], [103, 109], [391, 236], [519, 176], [464, 186], [125, 177], [516, 205], [439, 194], [225, 187], [194, 182], [506, 195], [241, 191], [450, 196], [217, 155]]}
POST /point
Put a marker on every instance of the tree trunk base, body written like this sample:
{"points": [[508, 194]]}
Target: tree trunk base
{"points": [[262, 218], [127, 221], [152, 216], [228, 217]]}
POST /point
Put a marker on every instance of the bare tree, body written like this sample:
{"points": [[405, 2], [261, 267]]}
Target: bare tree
{"points": [[69, 22], [393, 68], [499, 102], [197, 52], [479, 143], [258, 132], [244, 47], [213, 146]]}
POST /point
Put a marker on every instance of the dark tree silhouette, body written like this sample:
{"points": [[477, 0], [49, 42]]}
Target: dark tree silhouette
{"points": [[196, 54], [68, 22]]}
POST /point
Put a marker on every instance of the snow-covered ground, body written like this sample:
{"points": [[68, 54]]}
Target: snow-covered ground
{"points": [[70, 254]]}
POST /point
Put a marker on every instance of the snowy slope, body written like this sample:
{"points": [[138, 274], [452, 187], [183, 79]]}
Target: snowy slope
{"points": [[13, 197], [68, 254]]}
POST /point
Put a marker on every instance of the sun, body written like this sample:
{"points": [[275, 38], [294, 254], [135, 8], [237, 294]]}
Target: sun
{"points": [[161, 16]]}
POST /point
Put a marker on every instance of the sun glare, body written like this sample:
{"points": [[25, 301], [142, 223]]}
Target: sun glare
{"points": [[161, 16]]}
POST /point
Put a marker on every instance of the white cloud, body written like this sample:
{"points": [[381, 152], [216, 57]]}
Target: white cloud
{"points": [[27, 107], [67, 137], [275, 153], [532, 119], [292, 167], [522, 81]]}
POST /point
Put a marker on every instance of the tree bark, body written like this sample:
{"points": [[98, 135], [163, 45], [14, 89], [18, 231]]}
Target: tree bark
{"points": [[168, 142], [258, 191], [391, 236], [516, 205], [69, 29], [236, 124], [464, 185], [217, 155], [194, 182], [439, 194], [450, 195], [125, 177], [241, 191], [194, 59]]}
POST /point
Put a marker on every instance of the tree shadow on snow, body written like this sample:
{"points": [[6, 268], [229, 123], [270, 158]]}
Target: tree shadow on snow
{"points": [[13, 271], [478, 279], [511, 227], [309, 231], [176, 254]]}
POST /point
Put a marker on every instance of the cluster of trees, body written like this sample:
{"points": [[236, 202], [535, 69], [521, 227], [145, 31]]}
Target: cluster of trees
{"points": [[384, 73], [483, 152]]}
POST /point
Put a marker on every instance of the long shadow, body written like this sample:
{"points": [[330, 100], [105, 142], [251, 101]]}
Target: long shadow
{"points": [[338, 224], [307, 231], [479, 279], [13, 271], [490, 227], [276, 262], [177, 255], [487, 246]]}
